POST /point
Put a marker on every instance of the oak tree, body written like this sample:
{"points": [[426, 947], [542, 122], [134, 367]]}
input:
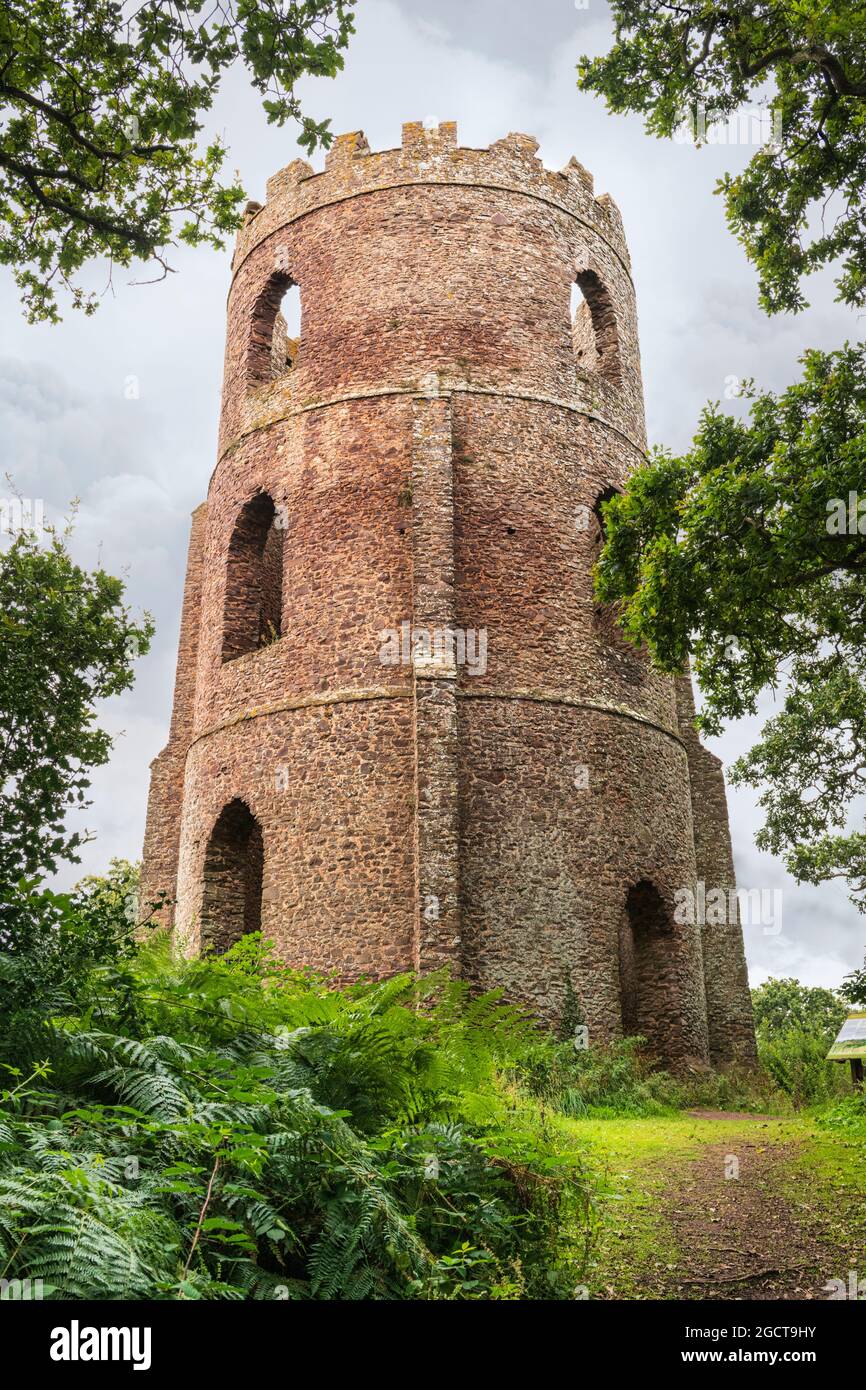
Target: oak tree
{"points": [[101, 114], [798, 204], [746, 556]]}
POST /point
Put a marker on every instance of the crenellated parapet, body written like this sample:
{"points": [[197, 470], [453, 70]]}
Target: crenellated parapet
{"points": [[427, 155], [434, 257]]}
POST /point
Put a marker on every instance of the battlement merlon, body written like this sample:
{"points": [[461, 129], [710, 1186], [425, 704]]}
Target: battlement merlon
{"points": [[428, 156]]}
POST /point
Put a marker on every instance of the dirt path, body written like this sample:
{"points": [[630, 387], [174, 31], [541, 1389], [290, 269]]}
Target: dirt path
{"points": [[757, 1215], [740, 1238]]}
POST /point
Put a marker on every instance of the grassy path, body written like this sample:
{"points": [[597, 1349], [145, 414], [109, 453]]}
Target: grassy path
{"points": [[734, 1206]]}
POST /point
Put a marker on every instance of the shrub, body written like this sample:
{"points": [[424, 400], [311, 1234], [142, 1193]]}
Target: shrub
{"points": [[796, 1060], [234, 1129], [732, 1088], [782, 1005], [604, 1080], [623, 1079], [795, 1025], [847, 1115]]}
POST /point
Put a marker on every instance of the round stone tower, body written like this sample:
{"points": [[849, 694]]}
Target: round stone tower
{"points": [[404, 734]]}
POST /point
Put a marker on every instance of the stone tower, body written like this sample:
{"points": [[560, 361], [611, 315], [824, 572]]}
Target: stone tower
{"points": [[404, 733]]}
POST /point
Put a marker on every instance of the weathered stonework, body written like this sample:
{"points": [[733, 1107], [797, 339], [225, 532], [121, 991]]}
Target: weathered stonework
{"points": [[429, 456]]}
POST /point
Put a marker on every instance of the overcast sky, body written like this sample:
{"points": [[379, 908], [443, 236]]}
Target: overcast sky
{"points": [[121, 410]]}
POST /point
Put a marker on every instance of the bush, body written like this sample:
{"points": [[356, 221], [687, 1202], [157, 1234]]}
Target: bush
{"points": [[783, 1005], [734, 1088], [59, 954], [847, 1115], [622, 1079], [795, 1026], [796, 1060], [228, 1128], [604, 1080]]}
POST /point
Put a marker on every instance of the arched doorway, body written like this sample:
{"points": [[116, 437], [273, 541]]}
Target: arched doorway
{"points": [[233, 872], [648, 997]]}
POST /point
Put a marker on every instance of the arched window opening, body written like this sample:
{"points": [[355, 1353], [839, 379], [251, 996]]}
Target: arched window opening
{"points": [[606, 495], [284, 347], [622, 658], [593, 327], [275, 331], [252, 615], [233, 873], [646, 967], [582, 332]]}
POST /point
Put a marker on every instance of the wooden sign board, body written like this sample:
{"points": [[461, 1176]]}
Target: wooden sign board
{"points": [[851, 1041]]}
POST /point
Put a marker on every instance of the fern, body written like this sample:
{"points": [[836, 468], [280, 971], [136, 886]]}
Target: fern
{"points": [[238, 1130]]}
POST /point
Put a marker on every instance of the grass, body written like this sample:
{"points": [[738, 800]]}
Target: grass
{"points": [[826, 1182], [823, 1181]]}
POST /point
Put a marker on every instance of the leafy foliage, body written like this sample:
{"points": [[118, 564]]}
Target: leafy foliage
{"points": [[621, 1079], [250, 1133], [56, 957], [795, 1025], [733, 556], [797, 1061], [673, 59], [99, 153], [68, 641], [853, 988], [726, 554], [847, 1115], [782, 1005]]}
